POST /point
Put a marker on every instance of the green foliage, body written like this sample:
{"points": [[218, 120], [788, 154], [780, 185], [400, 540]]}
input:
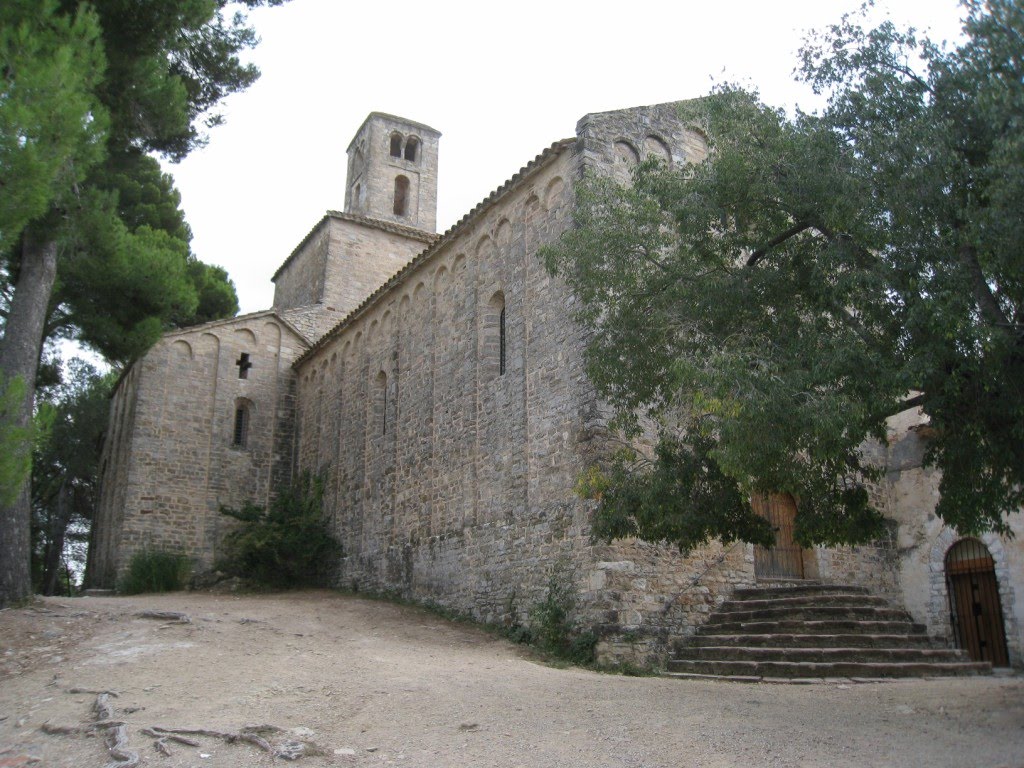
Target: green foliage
{"points": [[215, 293], [682, 497], [155, 571], [51, 124], [771, 306], [551, 623], [71, 420], [84, 85], [15, 441], [288, 544]]}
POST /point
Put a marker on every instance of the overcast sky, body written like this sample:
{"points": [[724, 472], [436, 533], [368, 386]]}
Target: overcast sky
{"points": [[500, 81]]}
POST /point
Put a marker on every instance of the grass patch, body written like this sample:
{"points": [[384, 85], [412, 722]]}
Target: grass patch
{"points": [[155, 570]]}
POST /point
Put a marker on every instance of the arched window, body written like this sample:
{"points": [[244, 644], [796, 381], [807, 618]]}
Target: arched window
{"points": [[396, 144], [501, 342], [380, 402], [495, 350], [412, 146], [240, 436], [401, 207]]}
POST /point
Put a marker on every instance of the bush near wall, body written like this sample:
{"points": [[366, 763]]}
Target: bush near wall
{"points": [[287, 544], [155, 571]]}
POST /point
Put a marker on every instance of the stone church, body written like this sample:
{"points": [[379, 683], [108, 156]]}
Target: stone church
{"points": [[436, 384]]}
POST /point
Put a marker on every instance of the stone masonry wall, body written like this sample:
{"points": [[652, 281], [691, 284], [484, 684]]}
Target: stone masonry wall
{"points": [[341, 262], [447, 480], [174, 421], [372, 170], [115, 480], [912, 492], [451, 483], [364, 254], [299, 282]]}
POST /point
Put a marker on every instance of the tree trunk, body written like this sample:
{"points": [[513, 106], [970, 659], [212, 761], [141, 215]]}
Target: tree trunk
{"points": [[19, 358], [58, 526]]}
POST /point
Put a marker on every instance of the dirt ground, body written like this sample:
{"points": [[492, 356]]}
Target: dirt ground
{"points": [[356, 682]]}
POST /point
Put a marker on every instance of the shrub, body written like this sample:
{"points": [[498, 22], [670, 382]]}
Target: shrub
{"points": [[287, 544], [551, 626], [154, 570]]}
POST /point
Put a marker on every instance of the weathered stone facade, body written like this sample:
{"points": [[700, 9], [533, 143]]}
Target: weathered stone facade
{"points": [[172, 456], [438, 387]]}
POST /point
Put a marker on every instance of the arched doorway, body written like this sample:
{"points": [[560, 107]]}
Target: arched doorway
{"points": [[786, 559], [974, 608]]}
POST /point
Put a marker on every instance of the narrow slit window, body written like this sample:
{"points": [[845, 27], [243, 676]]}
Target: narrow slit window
{"points": [[494, 349], [244, 364], [241, 434], [501, 343], [380, 404], [401, 206]]}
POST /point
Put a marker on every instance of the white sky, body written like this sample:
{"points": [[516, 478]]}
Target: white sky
{"points": [[500, 81]]}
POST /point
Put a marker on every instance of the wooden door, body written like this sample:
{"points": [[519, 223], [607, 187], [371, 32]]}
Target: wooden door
{"points": [[975, 611], [786, 559]]}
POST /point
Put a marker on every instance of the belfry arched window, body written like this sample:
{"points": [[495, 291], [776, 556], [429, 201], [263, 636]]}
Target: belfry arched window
{"points": [[401, 206], [412, 149], [396, 144]]}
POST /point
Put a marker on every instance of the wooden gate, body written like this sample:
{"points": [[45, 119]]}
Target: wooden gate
{"points": [[974, 607], [786, 559]]}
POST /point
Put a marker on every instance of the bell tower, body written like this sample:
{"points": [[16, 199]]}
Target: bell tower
{"points": [[392, 172]]}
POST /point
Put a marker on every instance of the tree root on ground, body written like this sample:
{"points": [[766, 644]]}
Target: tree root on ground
{"points": [[122, 757], [177, 616], [173, 733], [117, 731]]}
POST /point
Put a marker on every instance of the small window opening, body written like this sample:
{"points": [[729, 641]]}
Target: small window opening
{"points": [[381, 404], [401, 206], [358, 193], [396, 145], [241, 434], [501, 343], [244, 365], [411, 148]]}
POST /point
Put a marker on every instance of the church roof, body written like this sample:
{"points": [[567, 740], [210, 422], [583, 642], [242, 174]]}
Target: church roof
{"points": [[238, 318], [539, 162], [366, 221]]}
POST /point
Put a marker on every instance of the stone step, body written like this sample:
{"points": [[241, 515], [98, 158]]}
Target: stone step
{"points": [[797, 669], [805, 640], [810, 613], [815, 627], [821, 655], [804, 601], [793, 590]]}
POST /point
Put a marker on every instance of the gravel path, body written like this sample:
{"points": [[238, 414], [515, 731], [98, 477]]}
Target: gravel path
{"points": [[355, 682]]}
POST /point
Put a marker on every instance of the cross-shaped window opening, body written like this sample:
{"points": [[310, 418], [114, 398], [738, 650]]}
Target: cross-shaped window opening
{"points": [[243, 366]]}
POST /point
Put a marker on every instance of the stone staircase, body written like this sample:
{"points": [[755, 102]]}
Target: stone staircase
{"points": [[810, 630]]}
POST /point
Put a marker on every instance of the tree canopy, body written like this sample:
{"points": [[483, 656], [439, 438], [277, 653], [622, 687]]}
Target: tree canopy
{"points": [[771, 306], [71, 418], [92, 244]]}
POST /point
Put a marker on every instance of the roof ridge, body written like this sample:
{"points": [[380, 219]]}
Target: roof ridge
{"points": [[540, 160], [385, 226]]}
